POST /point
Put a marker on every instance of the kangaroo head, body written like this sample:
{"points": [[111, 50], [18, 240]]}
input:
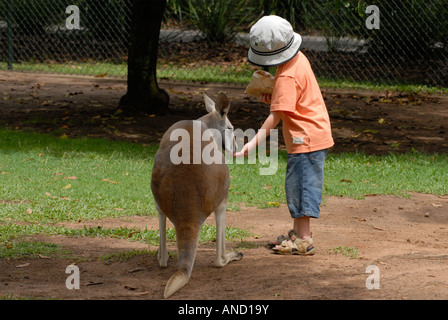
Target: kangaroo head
{"points": [[217, 119]]}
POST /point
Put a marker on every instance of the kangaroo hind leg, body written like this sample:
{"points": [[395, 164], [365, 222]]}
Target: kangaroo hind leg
{"points": [[162, 255]]}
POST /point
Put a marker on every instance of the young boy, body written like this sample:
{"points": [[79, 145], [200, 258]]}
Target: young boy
{"points": [[298, 102]]}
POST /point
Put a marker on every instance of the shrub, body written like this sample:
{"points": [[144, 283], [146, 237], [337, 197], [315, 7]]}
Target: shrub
{"points": [[220, 20]]}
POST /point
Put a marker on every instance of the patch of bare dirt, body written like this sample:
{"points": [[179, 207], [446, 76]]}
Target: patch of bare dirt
{"points": [[407, 239]]}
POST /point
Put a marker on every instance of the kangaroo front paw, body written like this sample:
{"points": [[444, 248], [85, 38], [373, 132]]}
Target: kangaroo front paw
{"points": [[232, 256]]}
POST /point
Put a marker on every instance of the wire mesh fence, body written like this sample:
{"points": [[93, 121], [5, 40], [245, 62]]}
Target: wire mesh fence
{"points": [[40, 35], [376, 42]]}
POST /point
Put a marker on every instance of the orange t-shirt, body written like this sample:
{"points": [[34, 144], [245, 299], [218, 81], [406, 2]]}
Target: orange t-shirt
{"points": [[306, 124]]}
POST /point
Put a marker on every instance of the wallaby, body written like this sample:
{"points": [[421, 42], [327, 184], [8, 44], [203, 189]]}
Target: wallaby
{"points": [[187, 193]]}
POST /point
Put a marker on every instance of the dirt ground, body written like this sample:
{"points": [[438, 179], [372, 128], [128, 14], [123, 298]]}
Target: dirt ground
{"points": [[407, 239]]}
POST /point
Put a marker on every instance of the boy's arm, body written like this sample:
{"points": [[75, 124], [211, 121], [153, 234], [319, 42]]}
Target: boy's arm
{"points": [[270, 123]]}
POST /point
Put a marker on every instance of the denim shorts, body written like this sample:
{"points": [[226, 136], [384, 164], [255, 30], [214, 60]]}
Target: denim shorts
{"points": [[304, 183]]}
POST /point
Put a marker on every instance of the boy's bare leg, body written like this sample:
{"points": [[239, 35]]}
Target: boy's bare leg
{"points": [[302, 227]]}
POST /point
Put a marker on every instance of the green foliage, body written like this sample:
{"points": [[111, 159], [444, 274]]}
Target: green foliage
{"points": [[298, 12], [220, 20]]}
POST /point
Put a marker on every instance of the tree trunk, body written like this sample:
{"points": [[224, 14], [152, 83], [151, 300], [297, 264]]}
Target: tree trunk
{"points": [[143, 92]]}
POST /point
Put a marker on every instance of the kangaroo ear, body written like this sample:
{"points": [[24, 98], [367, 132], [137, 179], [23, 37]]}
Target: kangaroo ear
{"points": [[209, 103], [222, 104]]}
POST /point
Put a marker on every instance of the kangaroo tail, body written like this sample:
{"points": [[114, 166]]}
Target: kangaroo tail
{"points": [[187, 243], [177, 281]]}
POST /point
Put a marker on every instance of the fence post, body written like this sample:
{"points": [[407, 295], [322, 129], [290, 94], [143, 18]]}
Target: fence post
{"points": [[10, 35]]}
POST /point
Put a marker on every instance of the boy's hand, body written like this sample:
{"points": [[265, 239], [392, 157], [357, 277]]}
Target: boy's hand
{"points": [[243, 153], [265, 98], [270, 123]]}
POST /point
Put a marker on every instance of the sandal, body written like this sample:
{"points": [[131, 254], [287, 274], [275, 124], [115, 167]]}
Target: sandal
{"points": [[295, 247], [281, 238]]}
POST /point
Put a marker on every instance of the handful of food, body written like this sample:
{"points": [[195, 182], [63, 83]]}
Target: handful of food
{"points": [[262, 82]]}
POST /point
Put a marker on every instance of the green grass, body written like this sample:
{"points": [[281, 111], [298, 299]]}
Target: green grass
{"points": [[46, 180], [11, 233], [232, 74], [21, 249], [11, 296], [220, 74], [348, 174], [72, 67], [349, 252], [49, 179], [357, 175], [249, 187]]}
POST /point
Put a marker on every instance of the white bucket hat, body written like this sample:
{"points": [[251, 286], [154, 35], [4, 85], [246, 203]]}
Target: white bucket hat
{"points": [[272, 42]]}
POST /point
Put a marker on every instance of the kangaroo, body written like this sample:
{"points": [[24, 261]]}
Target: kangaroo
{"points": [[187, 193]]}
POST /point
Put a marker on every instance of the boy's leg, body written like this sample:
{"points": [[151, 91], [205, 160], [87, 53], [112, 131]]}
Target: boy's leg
{"points": [[303, 185], [302, 227]]}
